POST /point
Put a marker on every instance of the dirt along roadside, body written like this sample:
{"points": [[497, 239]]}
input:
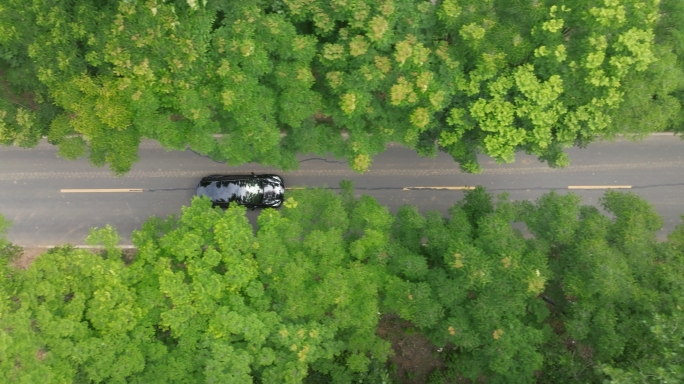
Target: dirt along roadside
{"points": [[27, 257], [30, 253]]}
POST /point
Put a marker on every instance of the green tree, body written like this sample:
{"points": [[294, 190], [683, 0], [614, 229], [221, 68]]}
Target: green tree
{"points": [[662, 362], [8, 252], [660, 357], [4, 226], [270, 306], [459, 76], [615, 288], [75, 319], [473, 286], [206, 300], [653, 98], [670, 36], [323, 263]]}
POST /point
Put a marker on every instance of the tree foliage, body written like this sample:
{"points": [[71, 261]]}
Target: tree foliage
{"points": [[670, 36], [460, 76], [205, 300], [473, 286], [8, 251], [616, 289], [586, 297]]}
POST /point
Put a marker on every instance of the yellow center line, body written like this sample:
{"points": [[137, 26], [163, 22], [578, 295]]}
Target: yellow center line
{"points": [[599, 187], [447, 188], [99, 190]]}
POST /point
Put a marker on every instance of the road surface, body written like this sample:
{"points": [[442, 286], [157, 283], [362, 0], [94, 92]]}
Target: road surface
{"points": [[32, 180]]}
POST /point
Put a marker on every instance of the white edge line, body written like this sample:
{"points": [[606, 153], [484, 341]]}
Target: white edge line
{"points": [[447, 188], [599, 186]]}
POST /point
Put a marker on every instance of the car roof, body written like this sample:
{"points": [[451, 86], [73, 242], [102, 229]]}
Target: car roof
{"points": [[244, 190]]}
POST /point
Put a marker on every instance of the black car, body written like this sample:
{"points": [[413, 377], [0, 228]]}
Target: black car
{"points": [[252, 191]]}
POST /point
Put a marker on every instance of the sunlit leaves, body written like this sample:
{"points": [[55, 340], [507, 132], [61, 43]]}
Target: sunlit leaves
{"points": [[361, 162], [401, 91], [612, 13], [595, 58], [348, 103], [420, 118], [358, 46], [448, 12], [378, 26], [553, 25], [20, 128], [637, 42], [108, 237], [472, 32], [333, 52]]}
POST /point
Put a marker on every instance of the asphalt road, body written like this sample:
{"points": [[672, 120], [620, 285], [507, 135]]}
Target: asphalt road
{"points": [[31, 181]]}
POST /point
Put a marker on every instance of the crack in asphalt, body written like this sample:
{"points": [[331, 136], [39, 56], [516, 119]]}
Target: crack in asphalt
{"points": [[322, 159], [657, 185], [301, 161], [207, 156], [169, 189]]}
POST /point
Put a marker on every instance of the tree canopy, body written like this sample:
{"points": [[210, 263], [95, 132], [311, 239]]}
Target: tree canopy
{"points": [[583, 297], [461, 76]]}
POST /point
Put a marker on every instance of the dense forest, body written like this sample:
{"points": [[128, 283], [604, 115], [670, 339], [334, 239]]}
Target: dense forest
{"points": [[315, 294], [280, 77], [334, 288]]}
